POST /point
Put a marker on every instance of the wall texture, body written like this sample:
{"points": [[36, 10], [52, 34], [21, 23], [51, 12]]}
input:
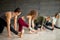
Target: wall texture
{"points": [[44, 7]]}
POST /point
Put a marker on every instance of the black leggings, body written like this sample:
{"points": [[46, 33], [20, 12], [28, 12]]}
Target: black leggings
{"points": [[50, 24], [45, 25], [37, 25], [3, 24]]}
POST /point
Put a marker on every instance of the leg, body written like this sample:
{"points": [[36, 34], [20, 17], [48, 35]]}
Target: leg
{"points": [[2, 25], [20, 28], [56, 27], [47, 27], [1, 28], [13, 30], [36, 28], [22, 22], [37, 25], [48, 24]]}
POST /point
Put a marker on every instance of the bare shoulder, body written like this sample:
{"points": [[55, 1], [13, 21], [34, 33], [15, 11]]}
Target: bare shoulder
{"points": [[28, 16], [7, 13]]}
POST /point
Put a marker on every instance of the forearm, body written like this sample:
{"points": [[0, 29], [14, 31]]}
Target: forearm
{"points": [[8, 26], [8, 17], [29, 23], [33, 23], [52, 25], [15, 23]]}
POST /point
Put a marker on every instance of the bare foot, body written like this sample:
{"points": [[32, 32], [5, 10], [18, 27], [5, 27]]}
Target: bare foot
{"points": [[20, 34], [36, 31], [9, 35], [30, 32]]}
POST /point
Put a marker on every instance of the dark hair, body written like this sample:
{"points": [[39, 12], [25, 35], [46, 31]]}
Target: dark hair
{"points": [[17, 10], [56, 14]]}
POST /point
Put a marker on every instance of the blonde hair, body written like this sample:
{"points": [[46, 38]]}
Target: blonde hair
{"points": [[33, 13]]}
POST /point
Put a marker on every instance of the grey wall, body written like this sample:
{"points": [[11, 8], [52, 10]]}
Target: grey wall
{"points": [[44, 7]]}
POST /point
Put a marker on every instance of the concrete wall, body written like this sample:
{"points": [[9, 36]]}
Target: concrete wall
{"points": [[44, 7]]}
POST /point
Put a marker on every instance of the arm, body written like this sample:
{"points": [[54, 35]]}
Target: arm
{"points": [[52, 25], [33, 25], [8, 17], [15, 22], [29, 22], [53, 22]]}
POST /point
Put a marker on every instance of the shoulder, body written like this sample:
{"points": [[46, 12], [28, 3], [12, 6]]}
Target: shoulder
{"points": [[8, 13], [29, 17]]}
